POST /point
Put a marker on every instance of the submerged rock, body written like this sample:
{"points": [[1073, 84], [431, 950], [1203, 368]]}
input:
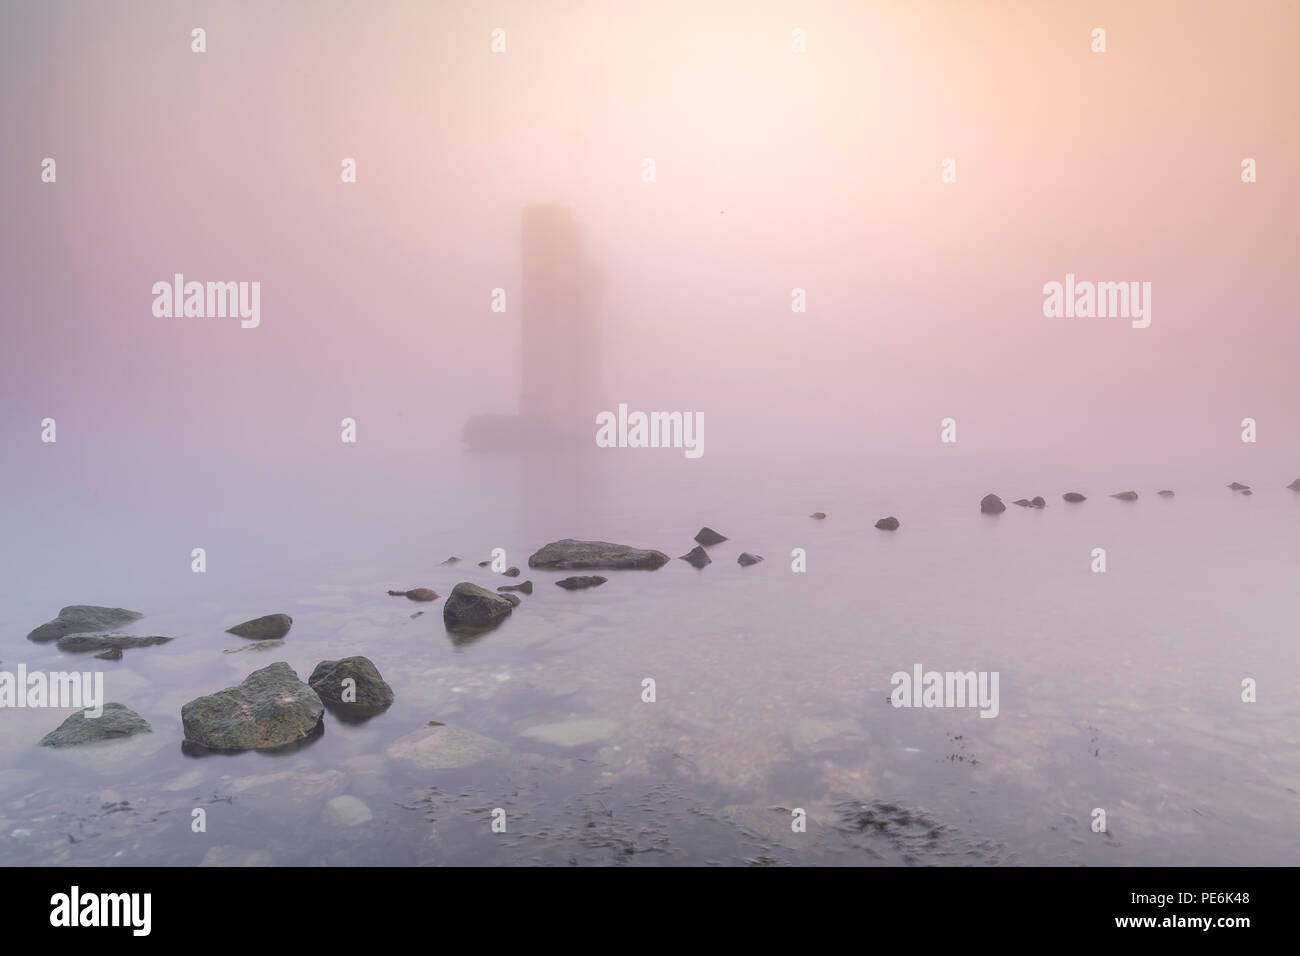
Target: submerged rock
{"points": [[1073, 496], [525, 588], [588, 581], [888, 524], [417, 594], [1165, 494], [571, 555], [369, 693], [992, 505], [271, 708], [346, 811], [473, 607], [709, 536], [115, 722], [819, 515], [82, 619], [112, 654], [266, 628], [574, 733], [79, 643], [1238, 486], [1126, 496], [1247, 491], [444, 747], [696, 557], [259, 646], [746, 559]]}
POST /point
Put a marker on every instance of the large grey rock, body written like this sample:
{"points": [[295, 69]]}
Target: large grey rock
{"points": [[83, 619], [471, 607], [707, 536], [78, 643], [370, 694], [266, 628], [571, 555], [992, 505], [271, 708], [114, 723]]}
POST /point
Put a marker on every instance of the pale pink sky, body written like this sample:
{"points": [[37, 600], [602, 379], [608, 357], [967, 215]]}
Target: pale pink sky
{"points": [[775, 170]]}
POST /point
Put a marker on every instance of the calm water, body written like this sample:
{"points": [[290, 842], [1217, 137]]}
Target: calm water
{"points": [[1118, 690]]}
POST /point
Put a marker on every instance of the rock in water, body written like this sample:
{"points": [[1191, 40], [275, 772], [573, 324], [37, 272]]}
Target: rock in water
{"points": [[452, 560], [1247, 491], [574, 584], [112, 654], [992, 505], [1073, 496], [260, 646], [819, 515], [83, 619], [579, 732], [1023, 502], [1238, 486], [267, 628], [471, 607], [417, 594], [888, 524], [79, 643], [1126, 496], [746, 559], [1165, 494], [511, 572], [115, 722], [708, 536], [271, 708], [525, 588], [696, 557], [347, 811], [1038, 502], [368, 692], [1295, 485], [571, 555], [484, 564], [444, 747]]}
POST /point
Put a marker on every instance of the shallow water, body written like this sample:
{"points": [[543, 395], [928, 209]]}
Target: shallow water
{"points": [[1118, 690]]}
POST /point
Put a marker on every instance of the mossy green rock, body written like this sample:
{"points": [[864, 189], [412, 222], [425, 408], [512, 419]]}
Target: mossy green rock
{"points": [[270, 709]]}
